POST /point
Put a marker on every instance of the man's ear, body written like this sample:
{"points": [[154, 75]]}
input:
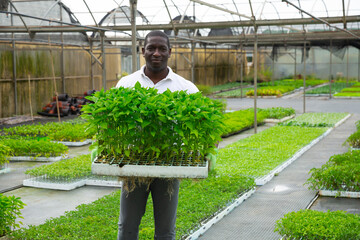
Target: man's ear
{"points": [[143, 51], [170, 52]]}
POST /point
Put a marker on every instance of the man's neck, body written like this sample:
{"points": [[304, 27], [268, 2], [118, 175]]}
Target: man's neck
{"points": [[156, 77]]}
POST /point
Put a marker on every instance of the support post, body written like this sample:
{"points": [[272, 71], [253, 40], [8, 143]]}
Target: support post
{"points": [[241, 71], [14, 76], [133, 34], [330, 69], [347, 66], [215, 75], [273, 69], [228, 79], [14, 64], [295, 65], [255, 62], [103, 65], [92, 66], [62, 63], [304, 83], [358, 65], [193, 61], [205, 62]]}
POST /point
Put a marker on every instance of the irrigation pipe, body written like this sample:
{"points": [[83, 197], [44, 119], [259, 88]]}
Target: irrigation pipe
{"points": [[31, 112]]}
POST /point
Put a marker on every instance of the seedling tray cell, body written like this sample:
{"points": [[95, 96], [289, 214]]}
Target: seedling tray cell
{"points": [[124, 167]]}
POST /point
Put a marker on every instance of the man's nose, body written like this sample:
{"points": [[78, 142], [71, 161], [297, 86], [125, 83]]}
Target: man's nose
{"points": [[157, 52]]}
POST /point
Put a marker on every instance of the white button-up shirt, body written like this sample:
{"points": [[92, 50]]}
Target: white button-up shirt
{"points": [[172, 81]]}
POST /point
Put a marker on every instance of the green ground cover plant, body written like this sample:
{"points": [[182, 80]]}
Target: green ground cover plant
{"points": [[198, 200], [278, 91], [354, 139], [233, 93], [311, 225], [138, 123], [347, 94], [241, 120], [277, 112], [4, 153], [335, 88], [351, 89], [340, 173], [67, 170], [225, 87], [258, 154], [315, 120], [10, 207], [271, 88], [34, 148], [295, 83], [73, 131]]}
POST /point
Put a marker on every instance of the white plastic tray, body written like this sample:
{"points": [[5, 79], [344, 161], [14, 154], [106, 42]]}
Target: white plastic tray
{"points": [[38, 182], [37, 159], [329, 193], [150, 171], [76, 144]]}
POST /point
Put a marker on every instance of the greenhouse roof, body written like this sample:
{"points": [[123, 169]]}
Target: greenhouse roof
{"points": [[291, 21]]}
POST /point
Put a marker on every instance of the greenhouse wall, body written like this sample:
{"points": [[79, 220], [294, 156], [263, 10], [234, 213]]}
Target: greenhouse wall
{"points": [[35, 81], [344, 65], [212, 66]]}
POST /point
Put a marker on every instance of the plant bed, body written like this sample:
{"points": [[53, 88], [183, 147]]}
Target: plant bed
{"points": [[198, 200], [25, 149], [263, 180], [311, 224], [241, 120], [206, 224], [69, 131], [259, 154], [325, 90], [354, 139], [341, 173], [317, 120]]}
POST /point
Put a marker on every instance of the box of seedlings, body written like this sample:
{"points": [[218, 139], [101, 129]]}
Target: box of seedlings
{"points": [[143, 133]]}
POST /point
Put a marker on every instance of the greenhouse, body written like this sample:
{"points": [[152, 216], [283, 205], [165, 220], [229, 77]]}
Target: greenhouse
{"points": [[263, 141]]}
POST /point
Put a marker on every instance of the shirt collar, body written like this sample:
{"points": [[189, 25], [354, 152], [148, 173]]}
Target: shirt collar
{"points": [[168, 77]]}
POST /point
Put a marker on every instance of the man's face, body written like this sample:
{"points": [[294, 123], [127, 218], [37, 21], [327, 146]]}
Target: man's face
{"points": [[156, 53]]}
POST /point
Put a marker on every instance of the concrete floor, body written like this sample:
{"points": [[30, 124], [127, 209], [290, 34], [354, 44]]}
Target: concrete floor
{"points": [[43, 204]]}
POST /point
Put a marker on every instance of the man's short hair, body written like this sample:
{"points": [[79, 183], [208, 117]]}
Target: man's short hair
{"points": [[157, 34]]}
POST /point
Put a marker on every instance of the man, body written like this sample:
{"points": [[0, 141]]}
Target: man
{"points": [[155, 74]]}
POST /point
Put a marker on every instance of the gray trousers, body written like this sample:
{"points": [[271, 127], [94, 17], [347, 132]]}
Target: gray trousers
{"points": [[133, 205]]}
